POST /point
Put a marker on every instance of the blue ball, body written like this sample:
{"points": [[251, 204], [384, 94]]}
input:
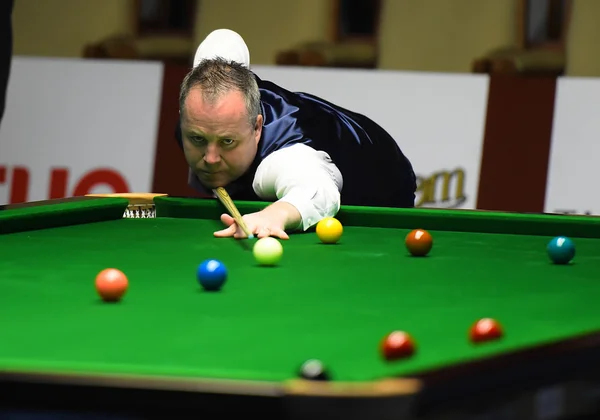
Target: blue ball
{"points": [[561, 250], [211, 274]]}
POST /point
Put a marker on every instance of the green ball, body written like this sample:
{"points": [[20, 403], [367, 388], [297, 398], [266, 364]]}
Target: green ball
{"points": [[267, 251]]}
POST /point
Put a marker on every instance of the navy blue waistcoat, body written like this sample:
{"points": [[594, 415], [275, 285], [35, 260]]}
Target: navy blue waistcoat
{"points": [[374, 169]]}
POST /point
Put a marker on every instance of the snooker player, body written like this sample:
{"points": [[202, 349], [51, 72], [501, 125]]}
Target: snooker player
{"points": [[262, 142]]}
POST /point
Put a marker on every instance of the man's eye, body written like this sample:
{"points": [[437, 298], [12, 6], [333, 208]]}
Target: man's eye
{"points": [[198, 140], [227, 142]]}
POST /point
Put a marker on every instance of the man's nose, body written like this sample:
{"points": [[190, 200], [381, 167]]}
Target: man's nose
{"points": [[212, 155]]}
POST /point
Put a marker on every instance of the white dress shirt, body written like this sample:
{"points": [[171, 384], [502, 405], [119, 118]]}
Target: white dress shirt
{"points": [[303, 177]]}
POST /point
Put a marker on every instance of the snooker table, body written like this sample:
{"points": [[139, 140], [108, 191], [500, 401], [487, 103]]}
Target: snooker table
{"points": [[170, 348]]}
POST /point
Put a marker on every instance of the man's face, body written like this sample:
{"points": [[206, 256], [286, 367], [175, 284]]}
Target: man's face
{"points": [[219, 143]]}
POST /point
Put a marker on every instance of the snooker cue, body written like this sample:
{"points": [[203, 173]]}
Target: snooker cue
{"points": [[228, 203]]}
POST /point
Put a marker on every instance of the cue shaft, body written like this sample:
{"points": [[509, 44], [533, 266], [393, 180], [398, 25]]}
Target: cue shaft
{"points": [[226, 200]]}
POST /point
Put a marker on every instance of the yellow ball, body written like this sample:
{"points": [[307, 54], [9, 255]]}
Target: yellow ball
{"points": [[329, 230]]}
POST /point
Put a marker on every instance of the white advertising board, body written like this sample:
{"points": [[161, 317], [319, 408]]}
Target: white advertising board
{"points": [[75, 126], [575, 149]]}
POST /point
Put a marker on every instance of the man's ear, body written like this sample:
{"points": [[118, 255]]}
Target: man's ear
{"points": [[258, 128]]}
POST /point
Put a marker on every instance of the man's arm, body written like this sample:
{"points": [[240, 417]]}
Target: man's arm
{"points": [[305, 186], [305, 183]]}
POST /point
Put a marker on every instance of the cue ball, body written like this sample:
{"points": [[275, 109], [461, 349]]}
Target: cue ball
{"points": [[267, 251], [419, 242], [561, 250], [211, 274], [397, 345], [111, 284], [314, 370], [329, 230], [486, 329]]}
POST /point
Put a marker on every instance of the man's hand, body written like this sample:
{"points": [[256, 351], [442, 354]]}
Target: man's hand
{"points": [[271, 221]]}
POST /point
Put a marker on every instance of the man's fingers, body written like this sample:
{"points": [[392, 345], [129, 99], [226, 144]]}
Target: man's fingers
{"points": [[229, 231], [230, 221], [234, 230], [239, 234], [265, 232], [227, 219], [261, 233]]}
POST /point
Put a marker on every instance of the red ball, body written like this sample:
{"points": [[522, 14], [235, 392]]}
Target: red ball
{"points": [[397, 345], [419, 242], [485, 329], [111, 284]]}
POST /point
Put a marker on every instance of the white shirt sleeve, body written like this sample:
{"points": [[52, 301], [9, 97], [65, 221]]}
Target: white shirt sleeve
{"points": [[304, 177]]}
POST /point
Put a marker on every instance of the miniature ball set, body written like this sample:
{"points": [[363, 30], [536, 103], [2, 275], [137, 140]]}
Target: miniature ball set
{"points": [[112, 284]]}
